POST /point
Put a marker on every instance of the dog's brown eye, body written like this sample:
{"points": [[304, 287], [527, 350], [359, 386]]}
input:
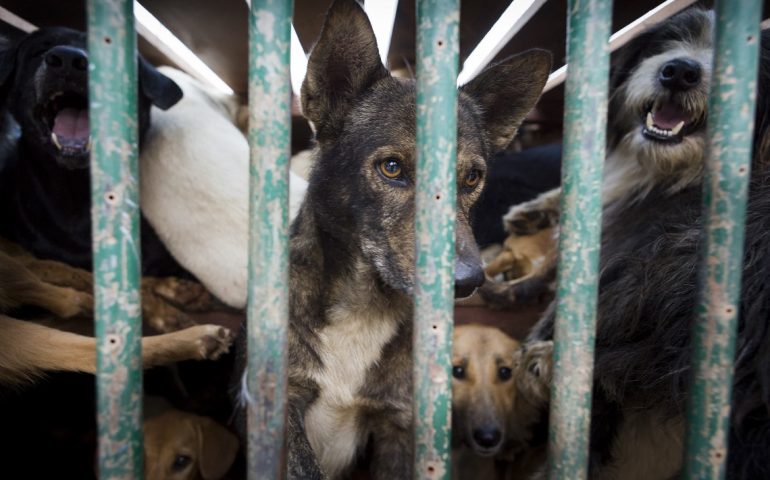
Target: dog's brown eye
{"points": [[473, 178], [458, 372], [181, 462], [504, 373], [391, 168]]}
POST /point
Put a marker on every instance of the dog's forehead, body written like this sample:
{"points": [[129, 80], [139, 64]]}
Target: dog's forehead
{"points": [[387, 114], [52, 36], [690, 29]]}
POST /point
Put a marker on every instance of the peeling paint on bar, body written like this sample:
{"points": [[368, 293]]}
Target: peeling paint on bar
{"points": [[728, 165], [437, 67], [116, 248], [585, 118], [268, 308]]}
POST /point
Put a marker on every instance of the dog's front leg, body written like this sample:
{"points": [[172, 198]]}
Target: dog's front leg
{"points": [[301, 460]]}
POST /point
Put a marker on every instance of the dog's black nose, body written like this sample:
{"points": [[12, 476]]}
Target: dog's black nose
{"points": [[468, 277], [680, 74], [64, 57], [487, 437]]}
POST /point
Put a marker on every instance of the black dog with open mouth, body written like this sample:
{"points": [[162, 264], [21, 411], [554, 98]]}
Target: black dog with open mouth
{"points": [[44, 187]]}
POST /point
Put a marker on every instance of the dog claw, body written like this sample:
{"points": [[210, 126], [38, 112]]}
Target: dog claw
{"points": [[214, 342]]}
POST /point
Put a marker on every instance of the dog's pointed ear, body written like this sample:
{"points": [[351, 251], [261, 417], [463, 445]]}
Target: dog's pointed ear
{"points": [[507, 91], [343, 64], [161, 90]]}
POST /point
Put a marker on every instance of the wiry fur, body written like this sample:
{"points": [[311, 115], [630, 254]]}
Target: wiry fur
{"points": [[647, 292], [352, 245]]}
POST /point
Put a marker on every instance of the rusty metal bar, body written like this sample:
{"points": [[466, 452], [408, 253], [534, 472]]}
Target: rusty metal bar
{"points": [[725, 190], [268, 307], [116, 249], [437, 66], [585, 119]]}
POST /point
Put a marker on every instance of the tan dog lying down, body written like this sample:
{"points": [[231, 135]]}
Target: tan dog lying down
{"points": [[195, 187], [525, 268], [28, 349], [184, 446], [499, 392]]}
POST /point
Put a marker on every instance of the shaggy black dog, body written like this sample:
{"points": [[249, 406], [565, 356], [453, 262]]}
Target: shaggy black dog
{"points": [[650, 255], [45, 197]]}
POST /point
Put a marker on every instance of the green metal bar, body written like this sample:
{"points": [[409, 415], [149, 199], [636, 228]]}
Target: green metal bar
{"points": [[116, 248], [268, 308], [437, 67], [585, 118], [725, 186]]}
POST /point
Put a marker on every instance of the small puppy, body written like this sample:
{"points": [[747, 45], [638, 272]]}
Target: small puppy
{"points": [[195, 186], [184, 446], [500, 393]]}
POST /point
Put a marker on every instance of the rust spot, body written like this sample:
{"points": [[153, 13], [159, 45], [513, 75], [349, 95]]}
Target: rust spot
{"points": [[435, 327], [742, 169], [750, 39], [729, 310], [431, 470], [114, 342], [107, 40], [438, 197], [110, 198], [440, 43]]}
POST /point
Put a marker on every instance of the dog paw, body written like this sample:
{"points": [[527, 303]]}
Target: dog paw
{"points": [[186, 294], [75, 303], [214, 341], [530, 217]]}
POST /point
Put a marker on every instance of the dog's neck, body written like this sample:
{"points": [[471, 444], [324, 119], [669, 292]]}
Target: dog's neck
{"points": [[36, 190], [338, 272]]}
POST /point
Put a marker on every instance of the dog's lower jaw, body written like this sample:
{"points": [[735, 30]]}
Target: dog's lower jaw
{"points": [[637, 165]]}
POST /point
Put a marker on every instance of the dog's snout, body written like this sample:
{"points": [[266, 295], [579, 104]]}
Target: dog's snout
{"points": [[468, 276], [680, 74], [66, 57], [487, 437]]}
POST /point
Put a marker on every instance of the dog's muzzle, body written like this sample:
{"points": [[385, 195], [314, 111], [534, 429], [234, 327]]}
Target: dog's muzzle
{"points": [[667, 120]]}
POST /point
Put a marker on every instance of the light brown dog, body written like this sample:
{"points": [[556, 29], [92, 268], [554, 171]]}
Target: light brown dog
{"points": [[28, 349], [184, 446], [499, 391]]}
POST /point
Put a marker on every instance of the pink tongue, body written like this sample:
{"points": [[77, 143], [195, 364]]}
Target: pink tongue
{"points": [[669, 116], [71, 124]]}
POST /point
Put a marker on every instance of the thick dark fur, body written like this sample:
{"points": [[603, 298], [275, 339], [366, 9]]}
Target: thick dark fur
{"points": [[45, 198], [352, 245], [647, 298]]}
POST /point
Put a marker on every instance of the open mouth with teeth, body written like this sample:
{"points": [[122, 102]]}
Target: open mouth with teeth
{"points": [[66, 116], [668, 122]]}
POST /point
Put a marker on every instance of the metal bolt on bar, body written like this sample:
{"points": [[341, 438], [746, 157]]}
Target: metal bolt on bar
{"points": [[437, 66], [268, 306], [116, 248], [725, 186], [585, 118]]}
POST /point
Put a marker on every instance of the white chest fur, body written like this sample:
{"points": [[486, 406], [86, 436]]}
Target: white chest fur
{"points": [[350, 345]]}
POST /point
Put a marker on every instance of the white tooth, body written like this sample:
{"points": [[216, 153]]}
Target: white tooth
{"points": [[678, 128], [55, 140], [649, 119]]}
